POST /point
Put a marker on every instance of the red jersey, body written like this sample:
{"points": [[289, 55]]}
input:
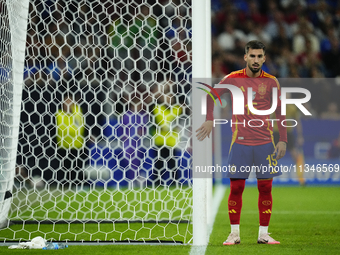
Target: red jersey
{"points": [[251, 129]]}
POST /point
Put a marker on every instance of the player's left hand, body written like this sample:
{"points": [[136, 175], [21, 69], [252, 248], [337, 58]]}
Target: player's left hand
{"points": [[280, 149]]}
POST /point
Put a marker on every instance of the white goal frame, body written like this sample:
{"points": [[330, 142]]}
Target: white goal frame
{"points": [[201, 68]]}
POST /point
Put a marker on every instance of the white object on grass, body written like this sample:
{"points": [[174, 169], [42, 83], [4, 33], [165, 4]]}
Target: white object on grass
{"points": [[36, 243]]}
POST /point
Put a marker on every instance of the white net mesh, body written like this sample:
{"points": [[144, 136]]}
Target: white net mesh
{"points": [[104, 150]]}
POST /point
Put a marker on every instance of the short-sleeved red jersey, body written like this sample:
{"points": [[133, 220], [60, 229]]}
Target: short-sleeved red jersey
{"points": [[243, 128]]}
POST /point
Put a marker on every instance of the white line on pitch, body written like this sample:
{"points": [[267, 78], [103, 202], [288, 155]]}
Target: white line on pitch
{"points": [[217, 199]]}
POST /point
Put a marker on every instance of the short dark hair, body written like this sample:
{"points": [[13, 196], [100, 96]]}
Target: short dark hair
{"points": [[255, 44]]}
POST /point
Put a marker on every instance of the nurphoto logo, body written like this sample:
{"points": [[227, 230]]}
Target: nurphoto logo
{"points": [[213, 90], [238, 103]]}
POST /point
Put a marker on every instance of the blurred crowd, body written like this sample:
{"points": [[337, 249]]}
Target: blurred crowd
{"points": [[301, 36], [302, 39]]}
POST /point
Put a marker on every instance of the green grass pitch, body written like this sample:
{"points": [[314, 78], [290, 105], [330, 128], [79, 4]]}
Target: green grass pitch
{"points": [[145, 204], [306, 220]]}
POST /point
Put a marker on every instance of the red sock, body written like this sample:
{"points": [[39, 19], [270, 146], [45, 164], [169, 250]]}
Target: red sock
{"points": [[265, 201], [235, 200]]}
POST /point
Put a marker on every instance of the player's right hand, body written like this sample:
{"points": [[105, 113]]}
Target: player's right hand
{"points": [[204, 130]]}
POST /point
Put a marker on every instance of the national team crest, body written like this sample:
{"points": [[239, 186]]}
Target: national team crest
{"points": [[262, 89]]}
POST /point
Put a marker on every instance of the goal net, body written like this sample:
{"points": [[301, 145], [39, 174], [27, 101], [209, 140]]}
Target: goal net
{"points": [[103, 152]]}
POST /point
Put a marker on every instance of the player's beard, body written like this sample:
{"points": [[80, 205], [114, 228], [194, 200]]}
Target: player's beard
{"points": [[258, 68]]}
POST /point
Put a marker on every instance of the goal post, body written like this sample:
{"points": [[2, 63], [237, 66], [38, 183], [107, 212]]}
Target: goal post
{"points": [[12, 54], [202, 150], [104, 145]]}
